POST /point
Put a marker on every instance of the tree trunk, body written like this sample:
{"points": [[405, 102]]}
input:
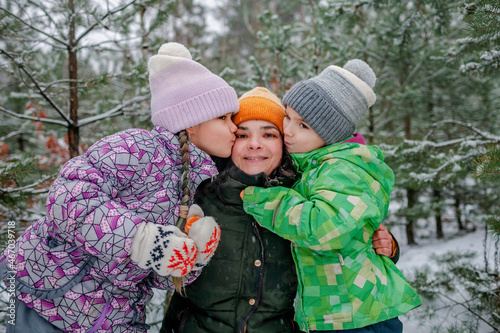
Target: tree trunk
{"points": [[437, 214], [410, 226], [20, 142], [408, 127], [411, 195], [458, 213], [73, 129]]}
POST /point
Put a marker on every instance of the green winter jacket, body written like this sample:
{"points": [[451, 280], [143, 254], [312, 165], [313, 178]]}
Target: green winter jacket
{"points": [[330, 216], [250, 283]]}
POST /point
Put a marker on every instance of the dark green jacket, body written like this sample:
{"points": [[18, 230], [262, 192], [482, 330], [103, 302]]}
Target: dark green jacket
{"points": [[249, 284]]}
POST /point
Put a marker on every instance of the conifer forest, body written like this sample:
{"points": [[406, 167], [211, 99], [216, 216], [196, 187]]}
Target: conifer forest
{"points": [[72, 72]]}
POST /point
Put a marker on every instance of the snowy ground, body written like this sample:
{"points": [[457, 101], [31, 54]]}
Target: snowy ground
{"points": [[418, 256], [411, 258]]}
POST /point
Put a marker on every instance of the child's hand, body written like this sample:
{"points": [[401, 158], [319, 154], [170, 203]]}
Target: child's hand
{"points": [[205, 232], [165, 249]]}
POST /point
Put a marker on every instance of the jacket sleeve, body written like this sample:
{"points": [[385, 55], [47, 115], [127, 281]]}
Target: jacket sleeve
{"points": [[396, 249], [82, 203], [336, 208]]}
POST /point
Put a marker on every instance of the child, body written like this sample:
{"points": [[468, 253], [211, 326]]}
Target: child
{"points": [[110, 231], [332, 213]]}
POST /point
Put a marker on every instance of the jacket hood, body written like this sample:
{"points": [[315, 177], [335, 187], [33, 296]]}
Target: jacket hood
{"points": [[361, 156]]}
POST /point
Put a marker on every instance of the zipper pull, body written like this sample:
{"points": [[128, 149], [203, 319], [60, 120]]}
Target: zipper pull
{"points": [[341, 259]]}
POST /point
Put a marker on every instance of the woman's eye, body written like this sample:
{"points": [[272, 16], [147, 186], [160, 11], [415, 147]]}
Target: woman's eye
{"points": [[240, 136], [270, 135], [304, 126], [223, 117]]}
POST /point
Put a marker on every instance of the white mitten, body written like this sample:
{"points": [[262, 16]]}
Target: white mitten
{"points": [[205, 232], [165, 249]]}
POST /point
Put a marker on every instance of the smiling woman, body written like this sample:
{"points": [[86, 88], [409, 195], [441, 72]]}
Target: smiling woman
{"points": [[250, 283]]}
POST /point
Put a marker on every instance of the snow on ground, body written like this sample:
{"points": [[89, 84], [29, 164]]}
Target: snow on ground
{"points": [[413, 257]]}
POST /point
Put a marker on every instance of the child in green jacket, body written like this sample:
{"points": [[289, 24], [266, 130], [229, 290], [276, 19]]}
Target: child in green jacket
{"points": [[331, 213]]}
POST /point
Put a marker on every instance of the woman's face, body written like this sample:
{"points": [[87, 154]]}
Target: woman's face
{"points": [[215, 137], [258, 147]]}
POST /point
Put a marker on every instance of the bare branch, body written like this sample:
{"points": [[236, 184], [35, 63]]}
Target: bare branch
{"points": [[113, 112], [91, 46], [89, 29], [30, 187], [40, 90], [468, 308], [34, 28], [43, 120], [484, 134], [21, 130]]}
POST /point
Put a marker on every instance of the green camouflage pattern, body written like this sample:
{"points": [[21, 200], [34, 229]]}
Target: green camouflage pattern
{"points": [[330, 216]]}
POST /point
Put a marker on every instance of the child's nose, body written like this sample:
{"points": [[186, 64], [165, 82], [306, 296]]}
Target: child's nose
{"points": [[232, 126], [287, 131]]}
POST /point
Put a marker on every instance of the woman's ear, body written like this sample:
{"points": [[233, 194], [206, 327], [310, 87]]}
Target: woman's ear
{"points": [[189, 130]]}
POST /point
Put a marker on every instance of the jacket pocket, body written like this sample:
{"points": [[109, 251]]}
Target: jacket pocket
{"points": [[50, 269], [325, 293], [183, 316]]}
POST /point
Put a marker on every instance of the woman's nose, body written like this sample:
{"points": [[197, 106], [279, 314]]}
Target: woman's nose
{"points": [[254, 143]]}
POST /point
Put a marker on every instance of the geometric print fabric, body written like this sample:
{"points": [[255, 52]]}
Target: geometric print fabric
{"points": [[73, 265]]}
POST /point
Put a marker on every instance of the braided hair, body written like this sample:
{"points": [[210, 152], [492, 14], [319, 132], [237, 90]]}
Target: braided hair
{"points": [[186, 195]]}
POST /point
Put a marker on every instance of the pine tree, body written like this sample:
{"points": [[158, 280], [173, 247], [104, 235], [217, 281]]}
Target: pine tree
{"points": [[483, 18], [488, 170]]}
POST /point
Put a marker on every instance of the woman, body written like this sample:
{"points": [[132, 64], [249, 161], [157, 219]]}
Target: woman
{"points": [[250, 283]]}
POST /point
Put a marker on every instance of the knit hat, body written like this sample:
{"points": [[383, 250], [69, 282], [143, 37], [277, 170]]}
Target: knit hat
{"points": [[260, 103], [333, 102], [183, 92]]}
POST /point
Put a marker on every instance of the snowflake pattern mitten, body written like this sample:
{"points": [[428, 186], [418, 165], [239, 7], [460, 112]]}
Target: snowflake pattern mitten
{"points": [[165, 249], [205, 232]]}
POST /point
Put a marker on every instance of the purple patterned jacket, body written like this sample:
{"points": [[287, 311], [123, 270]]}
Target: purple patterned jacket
{"points": [[73, 265]]}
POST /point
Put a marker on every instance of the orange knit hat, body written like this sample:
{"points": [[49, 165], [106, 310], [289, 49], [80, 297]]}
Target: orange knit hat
{"points": [[260, 103]]}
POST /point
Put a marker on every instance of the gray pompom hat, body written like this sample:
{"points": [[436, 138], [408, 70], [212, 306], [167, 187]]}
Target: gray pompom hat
{"points": [[333, 102]]}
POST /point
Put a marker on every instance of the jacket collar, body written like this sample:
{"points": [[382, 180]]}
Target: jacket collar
{"points": [[304, 161], [238, 180]]}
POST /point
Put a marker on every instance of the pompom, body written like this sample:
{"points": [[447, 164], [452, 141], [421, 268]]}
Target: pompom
{"points": [[175, 50], [362, 70]]}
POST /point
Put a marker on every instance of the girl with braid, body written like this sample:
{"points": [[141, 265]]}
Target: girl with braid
{"points": [[111, 231]]}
